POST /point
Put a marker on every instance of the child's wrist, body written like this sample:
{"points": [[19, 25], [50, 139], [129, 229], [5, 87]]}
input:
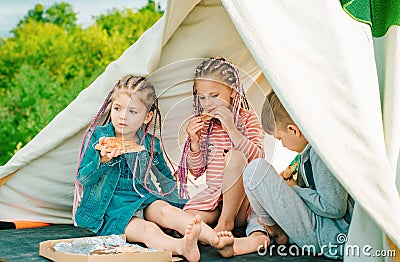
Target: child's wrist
{"points": [[194, 152], [194, 147], [239, 143]]}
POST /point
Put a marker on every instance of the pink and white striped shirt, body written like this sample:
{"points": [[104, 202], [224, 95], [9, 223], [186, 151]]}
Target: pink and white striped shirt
{"points": [[251, 146]]}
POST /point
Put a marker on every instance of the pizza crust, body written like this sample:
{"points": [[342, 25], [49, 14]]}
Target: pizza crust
{"points": [[125, 145], [206, 117], [290, 171]]}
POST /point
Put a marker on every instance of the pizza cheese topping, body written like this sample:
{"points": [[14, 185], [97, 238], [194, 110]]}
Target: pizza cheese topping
{"points": [[124, 144]]}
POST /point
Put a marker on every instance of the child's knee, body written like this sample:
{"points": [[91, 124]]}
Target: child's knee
{"points": [[235, 159], [256, 172], [138, 228], [150, 228], [168, 210]]}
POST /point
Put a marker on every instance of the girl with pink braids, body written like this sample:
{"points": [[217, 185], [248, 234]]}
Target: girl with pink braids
{"points": [[119, 195], [221, 148]]}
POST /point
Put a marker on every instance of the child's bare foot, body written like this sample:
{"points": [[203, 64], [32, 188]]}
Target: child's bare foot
{"points": [[254, 242], [224, 243], [189, 248], [276, 233]]}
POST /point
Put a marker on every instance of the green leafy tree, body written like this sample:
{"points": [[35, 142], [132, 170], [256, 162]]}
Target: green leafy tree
{"points": [[60, 14], [26, 107], [36, 44], [129, 23], [50, 59], [35, 14], [33, 100]]}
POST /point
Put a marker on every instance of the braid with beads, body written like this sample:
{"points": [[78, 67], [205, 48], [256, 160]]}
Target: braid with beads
{"points": [[215, 69], [146, 93]]}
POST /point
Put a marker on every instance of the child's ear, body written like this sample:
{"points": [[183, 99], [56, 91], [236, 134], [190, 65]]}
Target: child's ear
{"points": [[294, 129], [233, 93], [149, 117]]}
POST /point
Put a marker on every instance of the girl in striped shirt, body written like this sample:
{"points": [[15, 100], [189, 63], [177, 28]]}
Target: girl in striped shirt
{"points": [[221, 147]]}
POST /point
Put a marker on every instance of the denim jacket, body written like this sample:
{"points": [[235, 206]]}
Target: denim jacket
{"points": [[100, 179], [327, 199]]}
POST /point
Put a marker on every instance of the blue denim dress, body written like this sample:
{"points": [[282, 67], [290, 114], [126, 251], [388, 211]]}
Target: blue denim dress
{"points": [[125, 201], [109, 198]]}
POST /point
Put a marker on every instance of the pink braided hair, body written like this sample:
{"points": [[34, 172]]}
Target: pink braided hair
{"points": [[132, 83], [215, 69], [78, 189]]}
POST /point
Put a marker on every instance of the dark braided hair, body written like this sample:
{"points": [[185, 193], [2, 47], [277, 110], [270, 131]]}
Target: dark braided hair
{"points": [[146, 93], [220, 70]]}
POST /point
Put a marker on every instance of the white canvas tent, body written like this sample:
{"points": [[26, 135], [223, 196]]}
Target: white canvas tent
{"points": [[320, 62]]}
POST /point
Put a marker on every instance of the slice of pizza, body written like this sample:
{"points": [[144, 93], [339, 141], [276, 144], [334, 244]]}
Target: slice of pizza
{"points": [[206, 116], [290, 171], [124, 144]]}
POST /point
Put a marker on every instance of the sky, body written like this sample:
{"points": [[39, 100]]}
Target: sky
{"points": [[11, 12]]}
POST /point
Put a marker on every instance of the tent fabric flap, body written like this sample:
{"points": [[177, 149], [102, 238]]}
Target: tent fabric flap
{"points": [[342, 86]]}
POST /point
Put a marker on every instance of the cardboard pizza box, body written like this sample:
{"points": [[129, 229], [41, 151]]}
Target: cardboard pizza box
{"points": [[46, 250]]}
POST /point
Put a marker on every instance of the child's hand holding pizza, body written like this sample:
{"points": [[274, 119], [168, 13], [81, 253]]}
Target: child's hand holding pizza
{"points": [[224, 114], [106, 153], [193, 130], [288, 174], [111, 147]]}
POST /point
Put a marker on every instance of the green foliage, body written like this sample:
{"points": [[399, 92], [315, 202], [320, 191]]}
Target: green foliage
{"points": [[26, 106], [35, 14], [33, 99], [127, 23], [50, 59], [60, 14]]}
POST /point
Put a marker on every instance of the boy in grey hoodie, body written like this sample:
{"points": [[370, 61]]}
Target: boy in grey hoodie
{"points": [[314, 210]]}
